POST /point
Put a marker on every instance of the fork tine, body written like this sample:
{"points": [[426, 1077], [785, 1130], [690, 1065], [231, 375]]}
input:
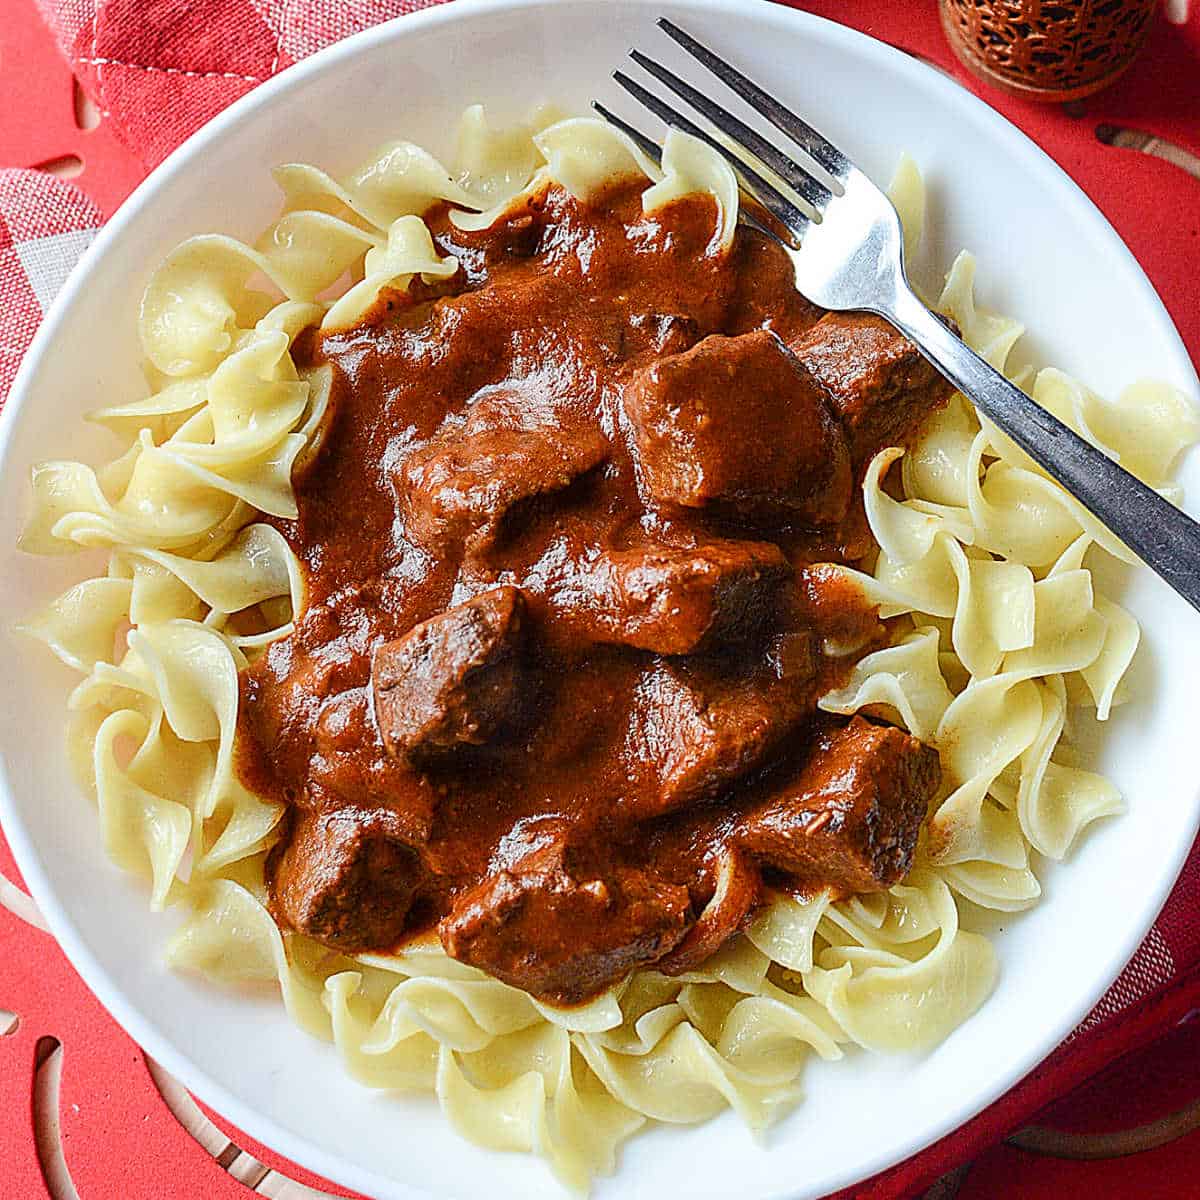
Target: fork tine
{"points": [[800, 131], [815, 192], [769, 196], [647, 145]]}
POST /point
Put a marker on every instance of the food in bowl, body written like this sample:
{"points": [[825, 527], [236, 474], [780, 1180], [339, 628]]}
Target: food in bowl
{"points": [[568, 604], [524, 655]]}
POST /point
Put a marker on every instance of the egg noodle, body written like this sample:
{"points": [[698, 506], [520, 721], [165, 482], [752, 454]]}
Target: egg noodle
{"points": [[982, 557]]}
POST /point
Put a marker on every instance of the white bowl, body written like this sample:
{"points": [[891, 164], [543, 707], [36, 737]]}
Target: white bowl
{"points": [[1045, 254]]}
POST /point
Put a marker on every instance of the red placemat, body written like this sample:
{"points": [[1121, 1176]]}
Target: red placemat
{"points": [[79, 1104]]}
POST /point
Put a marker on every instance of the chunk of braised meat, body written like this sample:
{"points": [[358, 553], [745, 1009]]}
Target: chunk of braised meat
{"points": [[340, 772], [738, 890], [696, 727], [345, 877], [739, 426], [456, 679], [670, 600], [849, 820], [458, 489], [880, 384], [561, 934]]}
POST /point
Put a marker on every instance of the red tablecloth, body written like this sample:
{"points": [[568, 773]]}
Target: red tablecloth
{"points": [[156, 70]]}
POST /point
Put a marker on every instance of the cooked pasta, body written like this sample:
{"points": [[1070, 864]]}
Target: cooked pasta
{"points": [[999, 633]]}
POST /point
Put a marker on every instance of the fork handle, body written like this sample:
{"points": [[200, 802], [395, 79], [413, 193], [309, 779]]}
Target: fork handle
{"points": [[1164, 538]]}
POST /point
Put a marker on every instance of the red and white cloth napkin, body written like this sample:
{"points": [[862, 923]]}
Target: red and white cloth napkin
{"points": [[158, 69]]}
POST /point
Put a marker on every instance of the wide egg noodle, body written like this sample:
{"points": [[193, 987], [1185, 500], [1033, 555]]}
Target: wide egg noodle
{"points": [[495, 164], [690, 166], [80, 626], [407, 253], [907, 194], [256, 566], [887, 1001], [141, 828], [586, 155], [902, 683], [984, 564]]}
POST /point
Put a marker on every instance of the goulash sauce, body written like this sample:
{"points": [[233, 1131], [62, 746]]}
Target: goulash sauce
{"points": [[567, 541]]}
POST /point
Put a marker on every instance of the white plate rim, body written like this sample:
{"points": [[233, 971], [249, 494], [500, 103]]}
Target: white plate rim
{"points": [[265, 1129]]}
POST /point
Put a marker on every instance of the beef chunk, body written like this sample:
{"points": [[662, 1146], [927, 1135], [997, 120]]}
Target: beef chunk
{"points": [[457, 489], [452, 680], [344, 877], [850, 818], [737, 425], [669, 600], [694, 730], [565, 935], [880, 384], [739, 886]]}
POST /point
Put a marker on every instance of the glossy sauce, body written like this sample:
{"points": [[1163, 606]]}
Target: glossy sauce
{"points": [[553, 312]]}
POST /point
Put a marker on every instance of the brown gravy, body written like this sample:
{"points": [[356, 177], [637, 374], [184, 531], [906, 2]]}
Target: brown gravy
{"points": [[628, 742]]}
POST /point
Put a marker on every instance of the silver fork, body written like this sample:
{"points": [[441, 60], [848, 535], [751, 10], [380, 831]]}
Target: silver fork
{"points": [[852, 257]]}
